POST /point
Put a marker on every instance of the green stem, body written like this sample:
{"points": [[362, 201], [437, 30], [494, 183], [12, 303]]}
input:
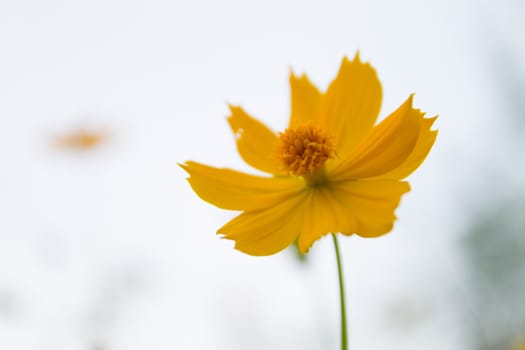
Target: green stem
{"points": [[344, 337]]}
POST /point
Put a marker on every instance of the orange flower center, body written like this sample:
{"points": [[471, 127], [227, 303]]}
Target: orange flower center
{"points": [[303, 149]]}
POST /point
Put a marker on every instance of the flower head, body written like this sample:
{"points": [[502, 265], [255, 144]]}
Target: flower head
{"points": [[333, 169], [303, 149]]}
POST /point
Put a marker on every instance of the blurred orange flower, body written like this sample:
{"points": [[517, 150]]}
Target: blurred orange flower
{"points": [[80, 139], [332, 170]]}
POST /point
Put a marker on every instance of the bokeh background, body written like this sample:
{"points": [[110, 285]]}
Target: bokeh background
{"points": [[106, 247]]}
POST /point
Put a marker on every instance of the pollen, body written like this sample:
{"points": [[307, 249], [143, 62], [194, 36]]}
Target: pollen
{"points": [[303, 149]]}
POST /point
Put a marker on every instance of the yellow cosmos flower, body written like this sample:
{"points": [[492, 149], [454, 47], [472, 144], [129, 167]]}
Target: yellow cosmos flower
{"points": [[332, 170]]}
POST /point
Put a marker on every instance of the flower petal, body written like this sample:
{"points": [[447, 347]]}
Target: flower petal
{"points": [[371, 203], [351, 104], [229, 189], [255, 141], [323, 214], [266, 231], [364, 207], [385, 148], [305, 100], [423, 145]]}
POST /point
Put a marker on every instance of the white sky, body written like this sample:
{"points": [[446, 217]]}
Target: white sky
{"points": [[112, 247]]}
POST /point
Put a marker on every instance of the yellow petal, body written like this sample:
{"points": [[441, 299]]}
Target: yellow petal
{"points": [[371, 203], [362, 207], [255, 142], [351, 104], [323, 214], [266, 231], [386, 147], [229, 189], [419, 153], [305, 100]]}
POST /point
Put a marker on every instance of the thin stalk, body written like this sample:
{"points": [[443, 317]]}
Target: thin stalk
{"points": [[344, 336]]}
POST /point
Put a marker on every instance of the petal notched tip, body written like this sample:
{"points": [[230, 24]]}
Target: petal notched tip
{"points": [[255, 141], [305, 246], [186, 167], [235, 122], [356, 58], [424, 143], [305, 99]]}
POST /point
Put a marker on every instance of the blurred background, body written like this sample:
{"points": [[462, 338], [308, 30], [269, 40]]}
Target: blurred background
{"points": [[103, 245]]}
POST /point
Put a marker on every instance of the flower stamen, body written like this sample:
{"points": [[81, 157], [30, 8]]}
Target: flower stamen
{"points": [[303, 149]]}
